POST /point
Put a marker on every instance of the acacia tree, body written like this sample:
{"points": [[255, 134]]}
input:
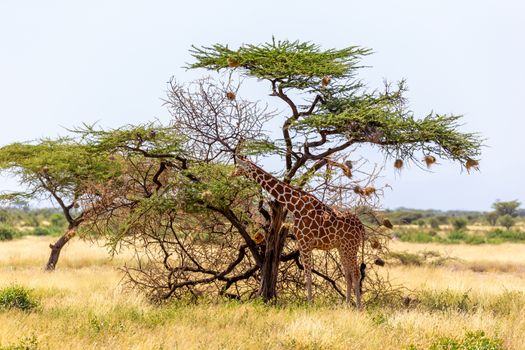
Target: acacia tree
{"points": [[55, 170], [329, 113], [201, 228]]}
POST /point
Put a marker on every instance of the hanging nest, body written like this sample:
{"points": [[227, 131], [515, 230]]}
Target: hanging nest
{"points": [[398, 164], [429, 160], [388, 224], [375, 244], [472, 164], [368, 191], [230, 96], [358, 190], [232, 62], [379, 262], [258, 237], [325, 81], [347, 171]]}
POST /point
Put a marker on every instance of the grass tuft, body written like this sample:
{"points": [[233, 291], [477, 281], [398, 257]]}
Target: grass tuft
{"points": [[17, 297], [26, 343]]}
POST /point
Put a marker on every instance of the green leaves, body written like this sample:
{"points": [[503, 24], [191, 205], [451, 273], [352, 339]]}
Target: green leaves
{"points": [[150, 139], [292, 63], [384, 120], [216, 187], [64, 162]]}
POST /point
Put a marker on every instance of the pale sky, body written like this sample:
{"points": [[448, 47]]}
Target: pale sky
{"points": [[67, 62]]}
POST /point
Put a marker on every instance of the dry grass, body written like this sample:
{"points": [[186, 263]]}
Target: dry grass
{"points": [[84, 307]]}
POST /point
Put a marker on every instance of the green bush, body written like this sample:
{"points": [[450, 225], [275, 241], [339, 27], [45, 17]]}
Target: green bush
{"points": [[41, 231], [472, 341], [474, 239], [506, 221], [459, 223], [506, 302], [499, 235], [17, 297], [6, 233], [418, 236], [446, 301], [434, 223], [457, 236], [406, 258], [26, 343]]}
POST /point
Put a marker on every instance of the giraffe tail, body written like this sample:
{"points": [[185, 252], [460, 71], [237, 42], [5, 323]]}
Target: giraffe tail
{"points": [[362, 269]]}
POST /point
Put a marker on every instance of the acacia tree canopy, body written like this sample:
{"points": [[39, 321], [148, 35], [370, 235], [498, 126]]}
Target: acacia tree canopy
{"points": [[340, 109], [54, 167]]}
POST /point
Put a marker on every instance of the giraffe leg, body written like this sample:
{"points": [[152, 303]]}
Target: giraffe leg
{"points": [[307, 262], [356, 275], [348, 274], [352, 275]]}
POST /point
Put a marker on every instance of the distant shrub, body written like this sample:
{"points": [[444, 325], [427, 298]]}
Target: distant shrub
{"points": [[434, 223], [406, 258], [420, 258], [507, 302], [498, 236], [457, 236], [418, 236], [459, 223], [492, 218], [6, 233], [408, 218], [446, 301], [41, 231], [506, 221], [474, 239], [472, 341], [58, 220], [17, 297]]}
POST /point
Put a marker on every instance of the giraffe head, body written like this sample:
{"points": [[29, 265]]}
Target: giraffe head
{"points": [[241, 166]]}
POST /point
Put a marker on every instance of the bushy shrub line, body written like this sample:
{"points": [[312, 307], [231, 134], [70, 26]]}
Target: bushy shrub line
{"points": [[492, 237]]}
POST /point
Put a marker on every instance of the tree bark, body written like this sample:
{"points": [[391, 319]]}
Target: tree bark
{"points": [[272, 255], [57, 247]]}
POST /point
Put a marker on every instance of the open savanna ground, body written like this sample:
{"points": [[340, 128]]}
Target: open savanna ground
{"points": [[83, 305]]}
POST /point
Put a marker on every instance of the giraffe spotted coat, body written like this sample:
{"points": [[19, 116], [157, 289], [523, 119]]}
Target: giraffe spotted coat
{"points": [[316, 226]]}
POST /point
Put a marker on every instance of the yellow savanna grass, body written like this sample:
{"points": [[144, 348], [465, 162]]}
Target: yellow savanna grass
{"points": [[83, 306]]}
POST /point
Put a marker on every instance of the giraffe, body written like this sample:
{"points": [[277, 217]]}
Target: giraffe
{"points": [[316, 226]]}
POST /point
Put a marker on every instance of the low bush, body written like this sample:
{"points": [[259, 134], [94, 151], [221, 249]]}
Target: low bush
{"points": [[6, 234], [17, 297], [26, 343], [406, 258], [418, 236], [41, 231], [472, 341], [429, 257], [446, 301], [459, 223], [500, 235], [457, 236]]}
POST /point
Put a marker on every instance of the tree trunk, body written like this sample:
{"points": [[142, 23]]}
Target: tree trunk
{"points": [[57, 247], [274, 246]]}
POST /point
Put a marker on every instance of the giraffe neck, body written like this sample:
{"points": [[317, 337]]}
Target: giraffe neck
{"points": [[281, 191]]}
